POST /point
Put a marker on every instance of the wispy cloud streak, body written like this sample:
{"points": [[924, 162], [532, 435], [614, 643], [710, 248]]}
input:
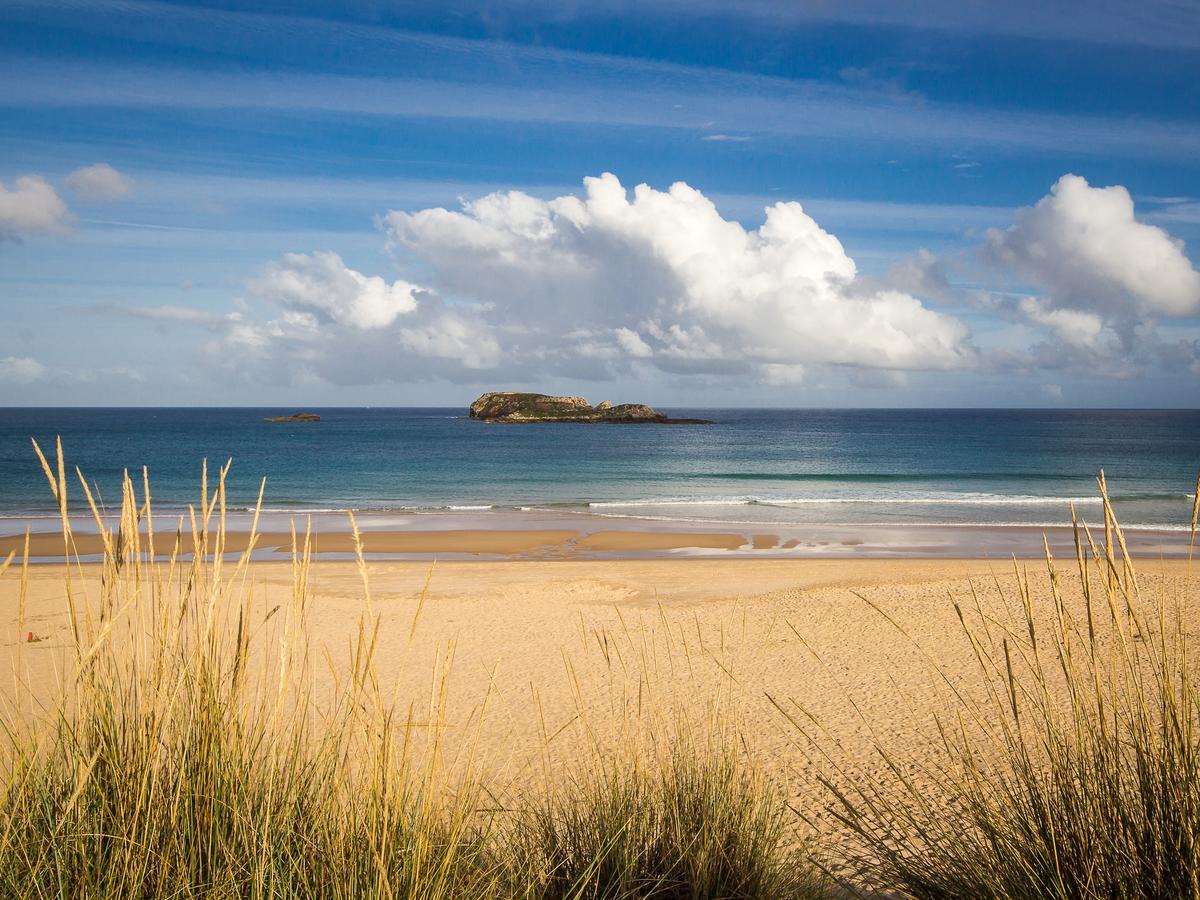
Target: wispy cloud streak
{"points": [[692, 101]]}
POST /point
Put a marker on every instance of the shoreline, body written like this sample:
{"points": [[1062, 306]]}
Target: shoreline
{"points": [[553, 536]]}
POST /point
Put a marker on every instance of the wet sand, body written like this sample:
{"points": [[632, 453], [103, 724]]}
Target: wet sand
{"points": [[564, 536]]}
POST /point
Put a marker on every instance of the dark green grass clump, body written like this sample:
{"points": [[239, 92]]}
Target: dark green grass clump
{"points": [[699, 826]]}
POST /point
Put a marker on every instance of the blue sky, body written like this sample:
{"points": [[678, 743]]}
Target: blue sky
{"points": [[229, 203]]}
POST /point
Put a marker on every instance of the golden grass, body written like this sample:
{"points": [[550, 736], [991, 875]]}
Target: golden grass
{"points": [[1077, 777]]}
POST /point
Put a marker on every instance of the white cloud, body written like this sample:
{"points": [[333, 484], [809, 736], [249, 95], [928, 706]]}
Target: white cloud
{"points": [[1106, 279], [315, 317], [187, 315], [631, 343], [455, 336], [99, 182], [728, 138], [21, 370], [668, 280], [1084, 247], [782, 374], [922, 274], [1073, 326], [322, 287], [31, 207], [583, 287], [25, 370], [593, 286]]}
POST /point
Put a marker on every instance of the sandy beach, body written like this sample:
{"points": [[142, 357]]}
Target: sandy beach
{"points": [[542, 657]]}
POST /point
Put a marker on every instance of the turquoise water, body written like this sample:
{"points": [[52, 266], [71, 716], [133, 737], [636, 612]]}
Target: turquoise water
{"points": [[753, 466]]}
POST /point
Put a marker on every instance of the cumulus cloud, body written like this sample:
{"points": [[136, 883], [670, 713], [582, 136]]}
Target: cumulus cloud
{"points": [[1073, 326], [325, 319], [922, 274], [99, 182], [31, 207], [584, 287], [21, 370], [615, 283], [1106, 279], [324, 288], [1084, 246], [662, 278]]}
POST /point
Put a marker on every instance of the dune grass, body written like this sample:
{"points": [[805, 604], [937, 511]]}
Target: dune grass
{"points": [[696, 825], [1079, 774], [184, 753]]}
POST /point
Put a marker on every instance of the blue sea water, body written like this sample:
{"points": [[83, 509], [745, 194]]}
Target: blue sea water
{"points": [[753, 466]]}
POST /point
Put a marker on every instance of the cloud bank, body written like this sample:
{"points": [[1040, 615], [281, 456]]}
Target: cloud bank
{"points": [[590, 287], [614, 283]]}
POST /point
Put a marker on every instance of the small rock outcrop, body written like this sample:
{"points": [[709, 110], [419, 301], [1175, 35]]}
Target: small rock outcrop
{"points": [[295, 417], [512, 406]]}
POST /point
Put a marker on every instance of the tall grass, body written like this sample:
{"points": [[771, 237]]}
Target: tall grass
{"points": [[695, 825], [1079, 774], [182, 751], [183, 754]]}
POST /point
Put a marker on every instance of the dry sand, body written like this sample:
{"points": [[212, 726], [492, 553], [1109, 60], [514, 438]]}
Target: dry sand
{"points": [[545, 656]]}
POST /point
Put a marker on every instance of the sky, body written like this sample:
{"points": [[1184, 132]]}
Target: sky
{"points": [[854, 203]]}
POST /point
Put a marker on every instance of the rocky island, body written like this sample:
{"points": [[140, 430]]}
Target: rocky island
{"points": [[512, 406], [295, 417]]}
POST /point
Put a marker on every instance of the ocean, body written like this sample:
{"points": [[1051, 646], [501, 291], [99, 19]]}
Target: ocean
{"points": [[769, 467]]}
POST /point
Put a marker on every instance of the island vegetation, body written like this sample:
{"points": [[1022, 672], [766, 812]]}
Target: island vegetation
{"points": [[513, 406], [295, 417]]}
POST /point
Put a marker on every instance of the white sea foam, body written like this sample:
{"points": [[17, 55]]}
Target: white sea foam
{"points": [[889, 499], [899, 524], [674, 501]]}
